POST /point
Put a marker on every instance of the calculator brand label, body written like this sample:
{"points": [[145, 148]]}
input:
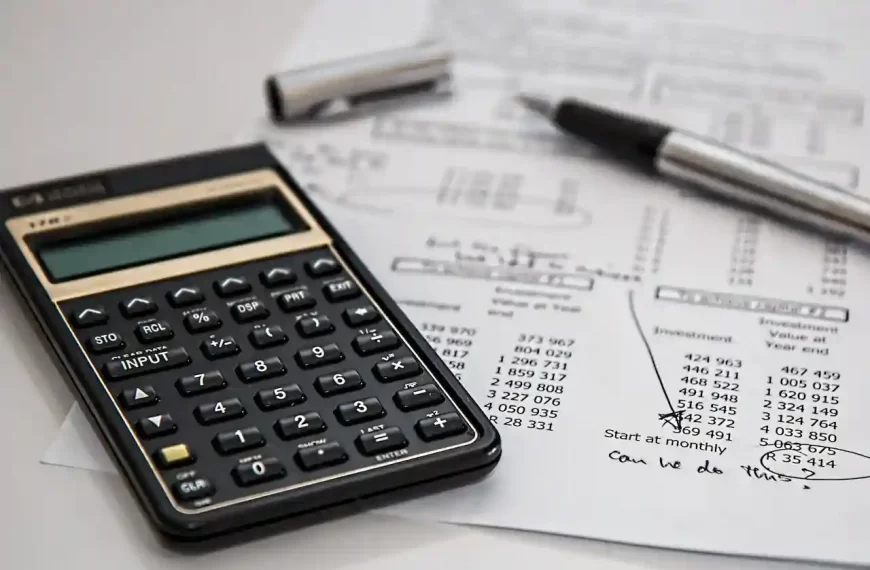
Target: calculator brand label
{"points": [[58, 195]]}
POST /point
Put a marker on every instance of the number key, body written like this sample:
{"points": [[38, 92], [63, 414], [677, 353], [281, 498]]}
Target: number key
{"points": [[219, 411], [201, 383], [260, 369], [258, 471], [319, 356], [239, 440], [339, 383], [300, 425], [360, 411], [280, 397]]}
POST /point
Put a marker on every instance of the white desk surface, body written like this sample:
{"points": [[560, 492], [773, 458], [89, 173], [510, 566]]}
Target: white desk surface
{"points": [[96, 83]]}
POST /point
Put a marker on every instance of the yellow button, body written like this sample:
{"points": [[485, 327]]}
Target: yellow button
{"points": [[175, 455]]}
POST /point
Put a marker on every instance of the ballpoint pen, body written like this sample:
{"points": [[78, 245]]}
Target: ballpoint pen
{"points": [[710, 166]]}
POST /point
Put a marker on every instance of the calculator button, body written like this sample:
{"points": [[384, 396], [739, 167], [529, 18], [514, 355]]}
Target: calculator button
{"points": [[90, 317], [247, 311], [153, 332], [258, 471], [185, 296], [137, 307], [362, 315], [280, 397], [261, 369], [264, 337], [381, 441], [108, 342], [322, 267], [360, 411], [232, 286], [146, 363], [341, 290], [318, 456], [133, 398], [300, 425], [339, 383], [419, 397], [239, 440], [155, 426], [375, 342], [314, 326], [202, 321], [222, 411], [319, 356], [296, 300], [219, 347], [201, 383], [277, 276], [396, 369], [444, 425], [192, 489], [175, 456]]}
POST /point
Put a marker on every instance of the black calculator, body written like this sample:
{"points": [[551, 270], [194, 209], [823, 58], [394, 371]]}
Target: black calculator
{"points": [[240, 362]]}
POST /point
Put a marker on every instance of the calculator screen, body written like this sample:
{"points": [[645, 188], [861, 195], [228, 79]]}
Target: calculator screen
{"points": [[195, 231]]}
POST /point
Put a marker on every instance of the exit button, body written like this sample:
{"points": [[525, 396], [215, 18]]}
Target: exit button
{"points": [[154, 331]]}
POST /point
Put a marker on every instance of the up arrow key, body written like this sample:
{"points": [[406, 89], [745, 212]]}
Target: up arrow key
{"points": [[133, 398], [89, 317]]}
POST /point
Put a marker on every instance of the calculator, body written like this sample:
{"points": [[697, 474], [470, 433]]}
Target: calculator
{"points": [[238, 359]]}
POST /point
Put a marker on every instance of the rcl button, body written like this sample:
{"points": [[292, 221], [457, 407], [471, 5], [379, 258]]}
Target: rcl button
{"points": [[105, 343], [153, 332]]}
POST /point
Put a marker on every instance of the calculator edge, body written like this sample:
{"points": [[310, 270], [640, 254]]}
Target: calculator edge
{"points": [[465, 462]]}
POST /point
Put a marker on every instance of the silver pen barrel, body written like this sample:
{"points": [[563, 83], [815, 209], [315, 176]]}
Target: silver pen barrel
{"points": [[755, 182]]}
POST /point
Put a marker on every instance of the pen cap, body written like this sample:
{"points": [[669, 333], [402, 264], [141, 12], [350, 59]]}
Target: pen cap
{"points": [[341, 86]]}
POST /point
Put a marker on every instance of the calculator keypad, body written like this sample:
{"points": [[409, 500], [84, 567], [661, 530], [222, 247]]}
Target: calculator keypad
{"points": [[264, 375]]}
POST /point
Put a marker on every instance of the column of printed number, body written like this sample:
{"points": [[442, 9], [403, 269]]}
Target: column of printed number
{"points": [[709, 394], [529, 383], [452, 343]]}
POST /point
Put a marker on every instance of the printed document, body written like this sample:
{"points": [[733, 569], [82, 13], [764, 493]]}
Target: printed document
{"points": [[664, 369]]}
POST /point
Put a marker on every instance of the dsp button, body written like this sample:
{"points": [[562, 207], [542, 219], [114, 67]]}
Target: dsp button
{"points": [[89, 317], [318, 456], [137, 307], [154, 332], [192, 489], [247, 311], [381, 441], [377, 341], [396, 368], [419, 397], [146, 363], [341, 290], [259, 471], [103, 343], [231, 286]]}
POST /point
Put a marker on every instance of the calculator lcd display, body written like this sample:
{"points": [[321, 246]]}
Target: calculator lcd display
{"points": [[149, 242]]}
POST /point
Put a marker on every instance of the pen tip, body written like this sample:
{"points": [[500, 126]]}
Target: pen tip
{"points": [[537, 104]]}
